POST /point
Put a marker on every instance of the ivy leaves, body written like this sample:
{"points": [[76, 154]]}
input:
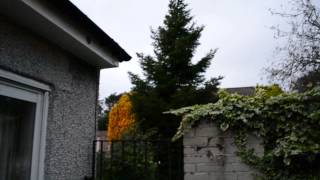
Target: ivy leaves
{"points": [[288, 124]]}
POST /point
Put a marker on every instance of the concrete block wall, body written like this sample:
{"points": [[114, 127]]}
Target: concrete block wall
{"points": [[209, 154]]}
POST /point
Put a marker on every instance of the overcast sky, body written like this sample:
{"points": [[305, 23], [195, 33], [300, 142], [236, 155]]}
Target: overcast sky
{"points": [[239, 28]]}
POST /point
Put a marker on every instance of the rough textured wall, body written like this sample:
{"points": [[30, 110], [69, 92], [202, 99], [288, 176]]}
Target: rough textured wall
{"points": [[209, 154], [71, 118]]}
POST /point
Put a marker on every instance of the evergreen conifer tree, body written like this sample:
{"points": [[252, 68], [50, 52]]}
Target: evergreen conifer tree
{"points": [[171, 80]]}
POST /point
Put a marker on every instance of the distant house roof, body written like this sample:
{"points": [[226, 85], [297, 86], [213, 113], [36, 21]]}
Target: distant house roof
{"points": [[101, 135], [246, 91], [62, 23]]}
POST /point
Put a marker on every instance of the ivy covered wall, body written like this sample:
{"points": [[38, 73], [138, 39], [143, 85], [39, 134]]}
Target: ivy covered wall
{"points": [[286, 123], [210, 154]]}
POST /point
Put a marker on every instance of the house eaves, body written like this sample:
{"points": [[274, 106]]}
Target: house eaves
{"points": [[62, 23]]}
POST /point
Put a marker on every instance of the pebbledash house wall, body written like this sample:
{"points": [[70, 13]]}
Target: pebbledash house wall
{"points": [[72, 101], [210, 154]]}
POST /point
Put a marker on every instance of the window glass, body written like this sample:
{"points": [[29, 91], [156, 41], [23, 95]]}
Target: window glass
{"points": [[17, 119]]}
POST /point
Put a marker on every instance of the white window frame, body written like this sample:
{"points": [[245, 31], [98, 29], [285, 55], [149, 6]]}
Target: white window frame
{"points": [[22, 88]]}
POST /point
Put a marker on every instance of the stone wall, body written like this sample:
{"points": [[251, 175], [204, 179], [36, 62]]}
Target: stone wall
{"points": [[72, 101], [209, 154]]}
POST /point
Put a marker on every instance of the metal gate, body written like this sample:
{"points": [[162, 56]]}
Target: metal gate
{"points": [[137, 160]]}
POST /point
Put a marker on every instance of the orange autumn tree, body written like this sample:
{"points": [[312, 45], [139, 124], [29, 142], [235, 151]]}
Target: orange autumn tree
{"points": [[121, 118]]}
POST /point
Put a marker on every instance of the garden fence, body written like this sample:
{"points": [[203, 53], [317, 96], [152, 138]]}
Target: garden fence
{"points": [[137, 160]]}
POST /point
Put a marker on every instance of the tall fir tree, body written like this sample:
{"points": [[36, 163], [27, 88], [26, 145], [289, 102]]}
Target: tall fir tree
{"points": [[171, 80]]}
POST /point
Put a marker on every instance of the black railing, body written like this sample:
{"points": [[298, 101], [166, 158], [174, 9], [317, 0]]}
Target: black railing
{"points": [[137, 160]]}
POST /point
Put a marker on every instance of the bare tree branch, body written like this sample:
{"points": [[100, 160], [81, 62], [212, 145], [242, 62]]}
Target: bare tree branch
{"points": [[301, 54]]}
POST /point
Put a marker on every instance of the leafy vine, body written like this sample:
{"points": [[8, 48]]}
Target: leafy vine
{"points": [[287, 123]]}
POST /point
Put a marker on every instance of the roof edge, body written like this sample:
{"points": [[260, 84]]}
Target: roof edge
{"points": [[105, 40], [62, 23]]}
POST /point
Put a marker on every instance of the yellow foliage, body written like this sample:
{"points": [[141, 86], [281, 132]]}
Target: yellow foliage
{"points": [[121, 118]]}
